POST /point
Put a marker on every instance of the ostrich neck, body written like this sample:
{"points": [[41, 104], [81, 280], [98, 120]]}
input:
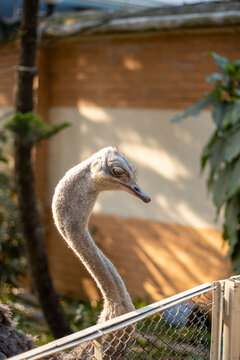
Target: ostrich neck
{"points": [[72, 211]]}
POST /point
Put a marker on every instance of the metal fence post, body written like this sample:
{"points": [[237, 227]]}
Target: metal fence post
{"points": [[217, 319], [231, 319]]}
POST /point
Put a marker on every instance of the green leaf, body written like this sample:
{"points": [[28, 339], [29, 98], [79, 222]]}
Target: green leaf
{"points": [[207, 150], [221, 61], [214, 77], [213, 154], [204, 160], [232, 149], [236, 63], [221, 108], [234, 180], [216, 93], [217, 152], [196, 108], [221, 186], [237, 91], [3, 136], [52, 129], [210, 180], [231, 222], [233, 115], [231, 69], [3, 158], [236, 263]]}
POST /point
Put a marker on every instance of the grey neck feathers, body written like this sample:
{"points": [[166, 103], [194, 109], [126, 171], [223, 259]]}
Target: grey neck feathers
{"points": [[73, 202]]}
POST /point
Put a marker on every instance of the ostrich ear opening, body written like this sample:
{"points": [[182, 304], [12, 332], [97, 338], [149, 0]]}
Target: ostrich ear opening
{"points": [[96, 165]]}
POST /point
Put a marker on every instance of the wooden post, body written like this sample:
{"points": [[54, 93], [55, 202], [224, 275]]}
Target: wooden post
{"points": [[217, 318], [231, 319]]}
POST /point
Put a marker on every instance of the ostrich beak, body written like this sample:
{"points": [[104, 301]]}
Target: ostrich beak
{"points": [[136, 191]]}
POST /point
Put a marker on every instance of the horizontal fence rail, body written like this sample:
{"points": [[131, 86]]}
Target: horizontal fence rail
{"points": [[173, 328]]}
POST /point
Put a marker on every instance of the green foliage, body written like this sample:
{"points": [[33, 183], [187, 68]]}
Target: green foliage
{"points": [[12, 258], [31, 128], [29, 317], [81, 315], [222, 152]]}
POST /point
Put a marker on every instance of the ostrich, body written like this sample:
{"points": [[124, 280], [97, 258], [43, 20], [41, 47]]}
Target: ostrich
{"points": [[73, 201]]}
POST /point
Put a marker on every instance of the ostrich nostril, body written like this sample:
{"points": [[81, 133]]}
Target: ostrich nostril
{"points": [[136, 188]]}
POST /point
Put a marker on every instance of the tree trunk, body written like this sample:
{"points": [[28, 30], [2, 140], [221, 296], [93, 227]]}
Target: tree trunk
{"points": [[24, 173]]}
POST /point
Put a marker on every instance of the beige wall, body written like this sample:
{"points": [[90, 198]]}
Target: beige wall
{"points": [[166, 154]]}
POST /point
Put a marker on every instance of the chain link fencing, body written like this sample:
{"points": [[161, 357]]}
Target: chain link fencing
{"points": [[178, 328]]}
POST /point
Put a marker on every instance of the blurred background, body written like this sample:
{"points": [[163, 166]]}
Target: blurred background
{"points": [[119, 72]]}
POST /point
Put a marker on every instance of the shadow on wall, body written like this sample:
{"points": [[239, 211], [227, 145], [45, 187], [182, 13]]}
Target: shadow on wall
{"points": [[166, 154], [160, 260], [155, 260], [108, 90]]}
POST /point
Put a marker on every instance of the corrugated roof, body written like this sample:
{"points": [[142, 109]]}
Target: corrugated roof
{"points": [[134, 4], [215, 14]]}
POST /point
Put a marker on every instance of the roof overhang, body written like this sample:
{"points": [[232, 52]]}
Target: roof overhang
{"points": [[119, 24]]}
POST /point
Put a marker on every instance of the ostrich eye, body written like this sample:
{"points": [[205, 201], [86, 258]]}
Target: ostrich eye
{"points": [[117, 171]]}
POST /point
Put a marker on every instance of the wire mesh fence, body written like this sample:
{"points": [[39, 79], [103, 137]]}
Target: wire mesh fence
{"points": [[180, 332], [175, 328]]}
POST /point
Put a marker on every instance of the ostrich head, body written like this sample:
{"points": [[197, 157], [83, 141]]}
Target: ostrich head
{"points": [[110, 170]]}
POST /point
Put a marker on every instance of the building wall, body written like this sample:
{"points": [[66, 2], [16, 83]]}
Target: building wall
{"points": [[160, 70], [124, 90]]}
